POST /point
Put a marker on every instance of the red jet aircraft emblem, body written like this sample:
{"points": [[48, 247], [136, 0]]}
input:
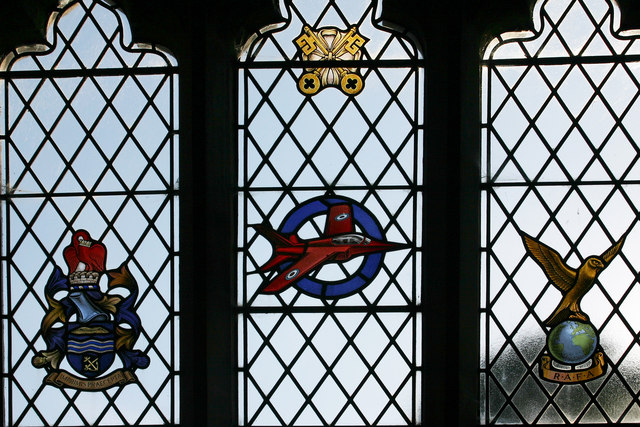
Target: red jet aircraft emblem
{"points": [[340, 243]]}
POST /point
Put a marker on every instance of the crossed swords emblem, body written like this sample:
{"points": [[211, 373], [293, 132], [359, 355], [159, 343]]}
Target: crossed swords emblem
{"points": [[330, 44]]}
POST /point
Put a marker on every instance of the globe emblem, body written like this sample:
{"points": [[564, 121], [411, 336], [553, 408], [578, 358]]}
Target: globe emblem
{"points": [[572, 342]]}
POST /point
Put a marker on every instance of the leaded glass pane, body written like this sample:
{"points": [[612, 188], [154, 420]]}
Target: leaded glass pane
{"points": [[89, 224], [330, 156], [558, 309]]}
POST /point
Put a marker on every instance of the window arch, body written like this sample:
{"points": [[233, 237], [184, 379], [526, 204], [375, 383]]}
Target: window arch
{"points": [[89, 142], [329, 129], [559, 175]]}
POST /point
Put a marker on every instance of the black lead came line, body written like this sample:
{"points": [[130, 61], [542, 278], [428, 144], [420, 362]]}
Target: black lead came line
{"points": [[40, 74], [565, 60], [360, 63]]}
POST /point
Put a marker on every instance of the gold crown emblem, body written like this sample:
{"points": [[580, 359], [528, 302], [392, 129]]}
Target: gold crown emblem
{"points": [[84, 277]]}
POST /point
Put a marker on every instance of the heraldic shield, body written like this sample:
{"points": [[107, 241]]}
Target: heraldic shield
{"points": [[87, 327], [90, 350]]}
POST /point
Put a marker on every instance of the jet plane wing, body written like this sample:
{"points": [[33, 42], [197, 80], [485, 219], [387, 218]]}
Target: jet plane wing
{"points": [[311, 259]]}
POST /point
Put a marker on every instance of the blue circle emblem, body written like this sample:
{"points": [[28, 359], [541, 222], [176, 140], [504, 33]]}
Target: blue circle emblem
{"points": [[361, 217]]}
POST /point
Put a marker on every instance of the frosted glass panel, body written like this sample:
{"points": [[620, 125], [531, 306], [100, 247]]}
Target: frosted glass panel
{"points": [[560, 184]]}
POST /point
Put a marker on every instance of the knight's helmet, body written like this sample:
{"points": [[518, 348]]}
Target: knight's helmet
{"points": [[86, 260]]}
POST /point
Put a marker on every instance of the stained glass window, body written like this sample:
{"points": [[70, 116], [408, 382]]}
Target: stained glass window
{"points": [[89, 225], [329, 289], [559, 294]]}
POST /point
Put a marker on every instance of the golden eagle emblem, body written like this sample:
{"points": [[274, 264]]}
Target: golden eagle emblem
{"points": [[571, 341], [573, 284]]}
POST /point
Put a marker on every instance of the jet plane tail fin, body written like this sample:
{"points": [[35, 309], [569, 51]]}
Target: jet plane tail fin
{"points": [[280, 244], [276, 239]]}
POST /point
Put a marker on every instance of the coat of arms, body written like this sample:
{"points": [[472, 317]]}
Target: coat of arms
{"points": [[85, 328], [573, 353]]}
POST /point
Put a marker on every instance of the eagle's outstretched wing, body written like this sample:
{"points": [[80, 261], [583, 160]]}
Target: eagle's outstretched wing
{"points": [[561, 275], [612, 251]]}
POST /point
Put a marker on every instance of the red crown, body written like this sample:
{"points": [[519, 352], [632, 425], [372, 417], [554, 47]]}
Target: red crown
{"points": [[85, 258]]}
